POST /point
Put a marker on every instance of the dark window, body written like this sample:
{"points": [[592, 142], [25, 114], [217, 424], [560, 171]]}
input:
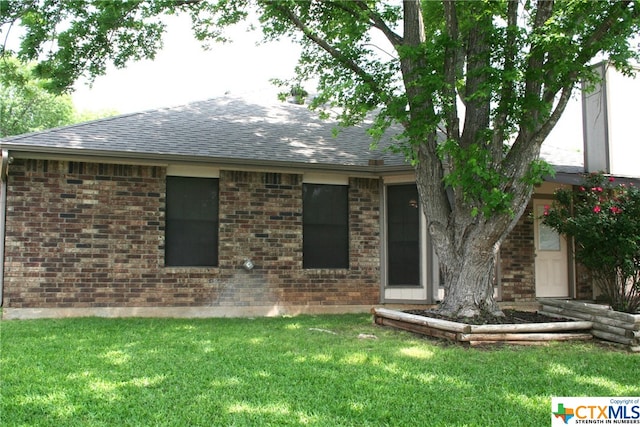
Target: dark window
{"points": [[325, 219], [403, 235], [192, 222]]}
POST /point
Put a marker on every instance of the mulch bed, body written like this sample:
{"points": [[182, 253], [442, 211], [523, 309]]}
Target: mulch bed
{"points": [[510, 317]]}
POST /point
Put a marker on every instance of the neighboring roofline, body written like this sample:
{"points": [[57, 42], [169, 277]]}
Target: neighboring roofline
{"points": [[577, 178]]}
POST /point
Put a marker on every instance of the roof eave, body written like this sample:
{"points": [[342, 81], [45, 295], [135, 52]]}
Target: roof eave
{"points": [[163, 159]]}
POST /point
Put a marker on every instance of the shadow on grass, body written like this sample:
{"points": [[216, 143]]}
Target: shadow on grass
{"points": [[285, 371]]}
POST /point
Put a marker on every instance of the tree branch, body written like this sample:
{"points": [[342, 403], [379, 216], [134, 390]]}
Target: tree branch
{"points": [[546, 128], [533, 139], [607, 28], [377, 22], [412, 64], [343, 59], [508, 84], [535, 70], [429, 169], [477, 96], [450, 69], [374, 19], [527, 146]]}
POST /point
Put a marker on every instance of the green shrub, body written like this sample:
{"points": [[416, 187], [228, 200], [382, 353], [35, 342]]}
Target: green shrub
{"points": [[603, 218]]}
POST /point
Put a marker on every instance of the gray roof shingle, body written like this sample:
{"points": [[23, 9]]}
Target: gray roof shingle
{"points": [[233, 130], [218, 129]]}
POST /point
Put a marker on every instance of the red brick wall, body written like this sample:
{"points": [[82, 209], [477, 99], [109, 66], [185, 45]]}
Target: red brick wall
{"points": [[517, 258], [585, 287], [92, 235], [261, 219]]}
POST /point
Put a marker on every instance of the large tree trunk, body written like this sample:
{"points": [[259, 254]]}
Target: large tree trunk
{"points": [[467, 246], [467, 239], [469, 281]]}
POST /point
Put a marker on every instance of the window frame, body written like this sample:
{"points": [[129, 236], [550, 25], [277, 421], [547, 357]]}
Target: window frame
{"points": [[326, 238], [178, 247]]}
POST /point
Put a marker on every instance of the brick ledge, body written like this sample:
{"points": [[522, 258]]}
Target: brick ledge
{"points": [[181, 312]]}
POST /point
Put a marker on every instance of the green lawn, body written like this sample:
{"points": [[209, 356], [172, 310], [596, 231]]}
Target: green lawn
{"points": [[308, 370]]}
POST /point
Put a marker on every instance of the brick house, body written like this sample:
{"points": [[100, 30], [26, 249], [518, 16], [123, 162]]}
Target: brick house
{"points": [[232, 207]]}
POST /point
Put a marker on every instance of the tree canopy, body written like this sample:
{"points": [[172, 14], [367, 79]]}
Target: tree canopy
{"points": [[25, 105], [476, 87]]}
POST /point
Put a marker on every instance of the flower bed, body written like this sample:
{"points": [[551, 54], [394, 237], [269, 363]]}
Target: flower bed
{"points": [[463, 333], [608, 324]]}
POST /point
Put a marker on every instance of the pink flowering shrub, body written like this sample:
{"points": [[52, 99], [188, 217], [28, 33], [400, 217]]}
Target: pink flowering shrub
{"points": [[603, 218]]}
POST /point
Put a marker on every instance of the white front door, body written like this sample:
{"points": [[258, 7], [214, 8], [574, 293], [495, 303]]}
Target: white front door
{"points": [[551, 263]]}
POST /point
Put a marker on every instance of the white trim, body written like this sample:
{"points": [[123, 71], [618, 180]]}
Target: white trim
{"points": [[423, 251], [400, 179], [415, 295], [193, 171], [325, 178], [4, 170], [409, 294], [437, 293]]}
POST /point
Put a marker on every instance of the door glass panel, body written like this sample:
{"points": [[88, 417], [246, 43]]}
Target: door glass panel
{"points": [[548, 238], [403, 235]]}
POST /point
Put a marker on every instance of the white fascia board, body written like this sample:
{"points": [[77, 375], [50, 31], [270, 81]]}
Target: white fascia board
{"points": [[325, 178], [409, 178], [194, 171]]}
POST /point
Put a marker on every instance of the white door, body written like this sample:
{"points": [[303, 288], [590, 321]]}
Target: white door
{"points": [[551, 265]]}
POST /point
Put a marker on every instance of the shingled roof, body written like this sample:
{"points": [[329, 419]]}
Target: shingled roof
{"points": [[230, 130], [221, 130]]}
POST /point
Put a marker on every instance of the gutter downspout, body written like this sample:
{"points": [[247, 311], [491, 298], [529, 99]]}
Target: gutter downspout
{"points": [[4, 171]]}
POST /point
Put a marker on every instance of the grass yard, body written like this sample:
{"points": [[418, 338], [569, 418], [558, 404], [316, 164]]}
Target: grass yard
{"points": [[307, 370]]}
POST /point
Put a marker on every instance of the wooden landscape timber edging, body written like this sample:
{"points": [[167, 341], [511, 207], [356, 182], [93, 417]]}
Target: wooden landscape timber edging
{"points": [[609, 325], [526, 333]]}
